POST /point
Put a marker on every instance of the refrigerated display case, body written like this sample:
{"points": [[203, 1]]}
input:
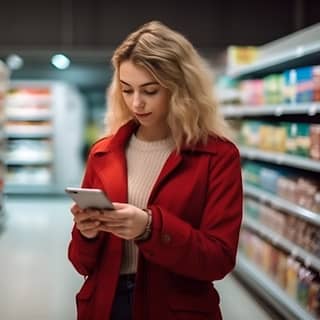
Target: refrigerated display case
{"points": [[44, 129]]}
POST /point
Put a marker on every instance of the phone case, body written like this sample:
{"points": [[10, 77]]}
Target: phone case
{"points": [[89, 198]]}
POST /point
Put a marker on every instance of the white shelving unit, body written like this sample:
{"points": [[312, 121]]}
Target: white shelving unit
{"points": [[282, 204], [310, 109], [4, 82], [270, 290], [299, 49], [44, 130], [280, 158], [279, 241]]}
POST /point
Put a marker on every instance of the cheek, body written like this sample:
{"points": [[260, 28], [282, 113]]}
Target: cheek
{"points": [[127, 101], [164, 104]]}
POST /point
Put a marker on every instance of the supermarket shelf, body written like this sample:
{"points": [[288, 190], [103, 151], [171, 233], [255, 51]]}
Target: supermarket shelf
{"points": [[27, 162], [275, 295], [311, 109], [280, 241], [297, 49], [29, 135], [31, 189], [282, 204], [280, 158], [29, 117]]}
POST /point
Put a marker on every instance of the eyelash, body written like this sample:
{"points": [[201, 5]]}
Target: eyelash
{"points": [[150, 93]]}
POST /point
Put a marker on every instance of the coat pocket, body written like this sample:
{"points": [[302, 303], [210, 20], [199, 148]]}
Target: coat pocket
{"points": [[83, 299]]}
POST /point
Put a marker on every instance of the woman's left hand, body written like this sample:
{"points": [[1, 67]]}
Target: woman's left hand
{"points": [[126, 221]]}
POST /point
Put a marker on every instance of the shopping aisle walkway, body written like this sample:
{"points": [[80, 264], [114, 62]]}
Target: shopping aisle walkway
{"points": [[38, 283]]}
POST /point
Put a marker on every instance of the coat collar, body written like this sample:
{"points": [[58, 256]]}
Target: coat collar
{"points": [[121, 137]]}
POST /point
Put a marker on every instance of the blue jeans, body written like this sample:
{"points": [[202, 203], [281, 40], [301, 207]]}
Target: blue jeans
{"points": [[122, 304]]}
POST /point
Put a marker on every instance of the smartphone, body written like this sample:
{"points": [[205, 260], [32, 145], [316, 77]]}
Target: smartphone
{"points": [[89, 198]]}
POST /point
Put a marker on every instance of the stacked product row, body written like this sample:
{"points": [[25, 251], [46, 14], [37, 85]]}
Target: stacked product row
{"points": [[298, 85], [292, 86], [301, 139], [298, 231], [300, 282], [286, 183]]}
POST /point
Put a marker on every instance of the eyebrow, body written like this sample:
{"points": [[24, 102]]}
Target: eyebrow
{"points": [[143, 85]]}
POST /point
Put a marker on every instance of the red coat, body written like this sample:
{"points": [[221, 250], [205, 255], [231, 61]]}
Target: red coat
{"points": [[197, 210]]}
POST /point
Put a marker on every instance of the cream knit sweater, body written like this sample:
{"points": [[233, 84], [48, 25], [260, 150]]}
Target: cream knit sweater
{"points": [[144, 162]]}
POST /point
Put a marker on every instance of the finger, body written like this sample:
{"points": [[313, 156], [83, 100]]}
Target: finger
{"points": [[107, 215], [86, 215], [75, 209], [114, 224], [88, 225]]}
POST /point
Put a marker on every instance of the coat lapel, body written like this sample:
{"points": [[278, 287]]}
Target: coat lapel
{"points": [[171, 164], [112, 172], [110, 163]]}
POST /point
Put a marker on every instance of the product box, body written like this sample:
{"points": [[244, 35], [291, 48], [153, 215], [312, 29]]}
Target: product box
{"points": [[239, 56], [273, 88], [305, 85], [289, 85], [315, 141], [316, 83], [252, 92]]}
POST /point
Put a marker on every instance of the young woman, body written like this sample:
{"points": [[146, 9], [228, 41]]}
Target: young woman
{"points": [[175, 180]]}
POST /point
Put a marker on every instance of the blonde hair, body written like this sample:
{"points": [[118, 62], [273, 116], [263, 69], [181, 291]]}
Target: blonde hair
{"points": [[176, 65]]}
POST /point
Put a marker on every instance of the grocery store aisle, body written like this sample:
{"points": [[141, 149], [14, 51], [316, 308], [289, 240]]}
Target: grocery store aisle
{"points": [[38, 283]]}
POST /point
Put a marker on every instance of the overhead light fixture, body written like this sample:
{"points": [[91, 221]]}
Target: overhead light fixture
{"points": [[60, 61], [14, 62]]}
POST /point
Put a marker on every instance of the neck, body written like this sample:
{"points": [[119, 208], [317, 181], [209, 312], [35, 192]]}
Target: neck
{"points": [[152, 134]]}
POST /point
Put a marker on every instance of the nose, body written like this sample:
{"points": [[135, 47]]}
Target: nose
{"points": [[137, 101]]}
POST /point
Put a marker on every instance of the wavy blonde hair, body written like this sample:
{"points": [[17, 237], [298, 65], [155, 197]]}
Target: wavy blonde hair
{"points": [[176, 65]]}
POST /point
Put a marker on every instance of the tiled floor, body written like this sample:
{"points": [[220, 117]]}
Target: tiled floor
{"points": [[38, 283]]}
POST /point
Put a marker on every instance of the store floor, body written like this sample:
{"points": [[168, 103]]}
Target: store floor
{"points": [[38, 283]]}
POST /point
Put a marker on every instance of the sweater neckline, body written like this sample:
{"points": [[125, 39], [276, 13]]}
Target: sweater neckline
{"points": [[143, 145]]}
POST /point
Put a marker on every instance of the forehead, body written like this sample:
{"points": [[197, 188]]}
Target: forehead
{"points": [[134, 75]]}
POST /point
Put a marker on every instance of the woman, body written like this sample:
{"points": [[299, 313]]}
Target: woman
{"points": [[175, 180]]}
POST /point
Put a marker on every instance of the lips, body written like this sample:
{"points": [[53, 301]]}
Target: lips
{"points": [[141, 115]]}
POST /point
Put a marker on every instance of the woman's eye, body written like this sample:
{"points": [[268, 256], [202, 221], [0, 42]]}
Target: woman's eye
{"points": [[151, 92], [127, 91]]}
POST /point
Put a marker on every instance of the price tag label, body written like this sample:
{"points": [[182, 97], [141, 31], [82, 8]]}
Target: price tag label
{"points": [[294, 251], [312, 109], [307, 261], [278, 111]]}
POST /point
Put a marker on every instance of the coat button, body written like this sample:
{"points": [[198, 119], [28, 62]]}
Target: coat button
{"points": [[165, 238]]}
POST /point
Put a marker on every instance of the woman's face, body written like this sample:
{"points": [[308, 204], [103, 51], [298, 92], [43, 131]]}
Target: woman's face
{"points": [[146, 99]]}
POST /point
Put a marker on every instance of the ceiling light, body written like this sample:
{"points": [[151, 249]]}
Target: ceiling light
{"points": [[60, 61], [14, 62]]}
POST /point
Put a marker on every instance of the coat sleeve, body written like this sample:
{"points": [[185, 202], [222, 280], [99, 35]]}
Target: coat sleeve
{"points": [[207, 253], [83, 252]]}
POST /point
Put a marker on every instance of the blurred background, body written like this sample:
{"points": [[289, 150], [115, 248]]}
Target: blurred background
{"points": [[54, 70]]}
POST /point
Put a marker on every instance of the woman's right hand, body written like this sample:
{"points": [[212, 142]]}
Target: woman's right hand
{"points": [[85, 221]]}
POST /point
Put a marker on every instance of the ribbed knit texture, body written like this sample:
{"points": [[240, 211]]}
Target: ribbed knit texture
{"points": [[144, 162]]}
